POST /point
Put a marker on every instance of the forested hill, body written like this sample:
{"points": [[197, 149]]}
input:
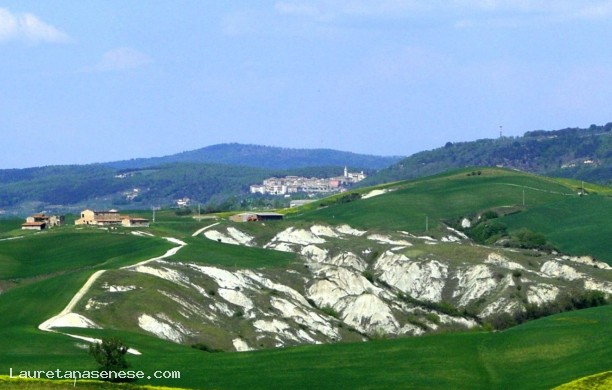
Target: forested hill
{"points": [[73, 187], [258, 156], [584, 154]]}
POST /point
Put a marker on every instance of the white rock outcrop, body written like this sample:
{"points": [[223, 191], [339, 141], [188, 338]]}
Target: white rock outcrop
{"points": [[555, 269], [369, 314], [424, 280], [162, 327], [541, 294], [501, 261], [473, 283]]}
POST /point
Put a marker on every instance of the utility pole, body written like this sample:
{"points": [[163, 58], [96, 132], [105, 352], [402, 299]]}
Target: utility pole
{"points": [[153, 214], [426, 223], [523, 196]]}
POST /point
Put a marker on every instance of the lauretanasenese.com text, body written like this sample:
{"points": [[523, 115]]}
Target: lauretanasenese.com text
{"points": [[93, 374]]}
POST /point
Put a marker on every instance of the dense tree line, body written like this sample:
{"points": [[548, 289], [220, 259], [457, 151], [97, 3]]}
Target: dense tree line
{"points": [[575, 300], [259, 156], [556, 153]]}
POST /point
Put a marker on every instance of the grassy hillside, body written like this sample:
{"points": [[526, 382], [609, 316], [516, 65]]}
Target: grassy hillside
{"points": [[537, 355], [443, 197], [41, 273], [211, 252], [69, 249], [575, 224]]}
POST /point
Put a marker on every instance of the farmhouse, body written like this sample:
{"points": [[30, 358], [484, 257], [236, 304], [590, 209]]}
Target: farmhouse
{"points": [[110, 218], [41, 221], [89, 217], [250, 217]]}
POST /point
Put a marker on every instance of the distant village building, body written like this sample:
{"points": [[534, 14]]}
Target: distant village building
{"points": [[41, 221], [293, 184], [131, 195], [110, 218], [183, 202]]}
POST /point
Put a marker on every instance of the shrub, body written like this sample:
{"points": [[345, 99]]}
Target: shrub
{"points": [[529, 239], [486, 232], [575, 300], [368, 275], [502, 321], [181, 212], [205, 348], [489, 214], [330, 311], [110, 356], [433, 317]]}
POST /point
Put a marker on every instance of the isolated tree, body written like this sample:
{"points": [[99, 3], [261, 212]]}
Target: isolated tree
{"points": [[110, 354]]}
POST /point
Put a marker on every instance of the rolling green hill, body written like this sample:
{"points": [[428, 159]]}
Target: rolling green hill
{"points": [[41, 272], [574, 224], [258, 156]]}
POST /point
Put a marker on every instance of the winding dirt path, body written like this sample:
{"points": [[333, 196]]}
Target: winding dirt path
{"points": [[67, 318], [204, 228]]}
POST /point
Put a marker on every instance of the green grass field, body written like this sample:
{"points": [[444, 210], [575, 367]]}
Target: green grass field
{"points": [[69, 249], [442, 197], [538, 355], [601, 381], [575, 225], [203, 250], [6, 382], [43, 272]]}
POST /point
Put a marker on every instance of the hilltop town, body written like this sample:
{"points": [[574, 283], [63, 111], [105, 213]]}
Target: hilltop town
{"points": [[294, 184]]}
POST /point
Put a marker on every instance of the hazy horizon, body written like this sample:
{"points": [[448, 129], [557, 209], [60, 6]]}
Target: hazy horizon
{"points": [[100, 81]]}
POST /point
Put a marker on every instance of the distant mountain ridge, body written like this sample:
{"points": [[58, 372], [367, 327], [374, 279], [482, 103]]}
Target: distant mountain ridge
{"points": [[220, 175], [215, 175], [584, 154], [258, 156]]}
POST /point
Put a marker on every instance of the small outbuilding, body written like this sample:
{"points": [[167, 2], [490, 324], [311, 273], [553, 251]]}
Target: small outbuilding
{"points": [[34, 226], [134, 222], [251, 217], [269, 216]]}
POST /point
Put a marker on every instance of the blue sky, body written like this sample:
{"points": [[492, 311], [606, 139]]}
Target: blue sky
{"points": [[102, 80]]}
